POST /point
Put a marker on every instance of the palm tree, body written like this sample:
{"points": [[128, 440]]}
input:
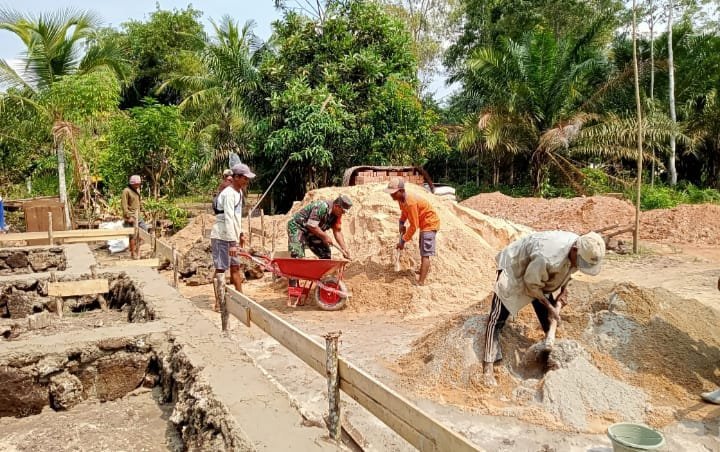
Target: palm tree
{"points": [[224, 96], [534, 91], [53, 43]]}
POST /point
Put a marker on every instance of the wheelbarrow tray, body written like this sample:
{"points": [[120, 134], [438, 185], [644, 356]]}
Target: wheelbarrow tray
{"points": [[312, 269]]}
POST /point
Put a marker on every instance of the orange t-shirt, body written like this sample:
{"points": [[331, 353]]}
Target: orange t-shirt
{"points": [[420, 214]]}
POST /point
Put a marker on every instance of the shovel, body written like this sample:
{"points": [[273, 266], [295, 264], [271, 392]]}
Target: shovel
{"points": [[539, 353], [396, 258]]}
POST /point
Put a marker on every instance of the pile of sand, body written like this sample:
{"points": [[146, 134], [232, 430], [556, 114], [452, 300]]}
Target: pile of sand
{"points": [[698, 224], [463, 268], [639, 358]]}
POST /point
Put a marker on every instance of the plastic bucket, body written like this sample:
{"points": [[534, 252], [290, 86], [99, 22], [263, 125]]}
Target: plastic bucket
{"points": [[628, 437]]}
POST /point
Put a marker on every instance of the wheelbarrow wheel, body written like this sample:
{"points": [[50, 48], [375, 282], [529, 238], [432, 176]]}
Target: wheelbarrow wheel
{"points": [[330, 300]]}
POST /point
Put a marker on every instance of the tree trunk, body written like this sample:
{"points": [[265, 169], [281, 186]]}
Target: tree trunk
{"points": [[62, 186], [537, 171], [671, 83], [638, 105], [652, 78]]}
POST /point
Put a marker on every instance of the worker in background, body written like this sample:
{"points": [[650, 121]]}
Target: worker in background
{"points": [[419, 215], [309, 225], [530, 270], [226, 237], [131, 204], [227, 178]]}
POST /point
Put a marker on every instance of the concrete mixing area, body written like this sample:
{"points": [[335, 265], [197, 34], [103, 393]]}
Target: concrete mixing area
{"points": [[637, 343]]}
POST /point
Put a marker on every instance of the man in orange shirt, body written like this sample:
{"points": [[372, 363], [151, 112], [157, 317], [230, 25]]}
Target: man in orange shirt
{"points": [[420, 215]]}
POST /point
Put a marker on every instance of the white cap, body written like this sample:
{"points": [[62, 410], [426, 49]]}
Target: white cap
{"points": [[590, 253]]}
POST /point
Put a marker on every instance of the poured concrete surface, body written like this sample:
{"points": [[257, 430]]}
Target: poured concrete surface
{"points": [[137, 422]]}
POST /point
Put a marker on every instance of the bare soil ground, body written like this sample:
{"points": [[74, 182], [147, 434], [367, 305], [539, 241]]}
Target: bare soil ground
{"points": [[134, 423], [662, 340]]}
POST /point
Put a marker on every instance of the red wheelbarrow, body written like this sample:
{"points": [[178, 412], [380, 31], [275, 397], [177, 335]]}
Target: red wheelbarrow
{"points": [[330, 291]]}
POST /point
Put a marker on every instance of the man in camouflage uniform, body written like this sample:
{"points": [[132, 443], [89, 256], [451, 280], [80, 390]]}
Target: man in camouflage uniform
{"points": [[307, 228]]}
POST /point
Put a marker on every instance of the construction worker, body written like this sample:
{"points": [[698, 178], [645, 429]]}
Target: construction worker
{"points": [[307, 228], [226, 180], [530, 270], [131, 202], [226, 237], [420, 215]]}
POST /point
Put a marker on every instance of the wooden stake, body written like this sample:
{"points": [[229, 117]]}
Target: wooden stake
{"points": [[175, 265], [331, 366], [58, 300], [224, 314], [50, 229], [136, 251], [272, 240], [202, 225], [262, 228], [249, 229]]}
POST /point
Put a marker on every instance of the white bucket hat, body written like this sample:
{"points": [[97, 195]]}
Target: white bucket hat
{"points": [[590, 253]]}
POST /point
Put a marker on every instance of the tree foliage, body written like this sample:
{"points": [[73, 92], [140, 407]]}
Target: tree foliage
{"points": [[149, 141]]}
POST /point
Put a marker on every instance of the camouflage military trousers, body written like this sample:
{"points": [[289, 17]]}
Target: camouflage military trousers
{"points": [[299, 238]]}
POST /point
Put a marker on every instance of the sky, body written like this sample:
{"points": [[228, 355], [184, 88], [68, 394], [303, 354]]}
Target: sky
{"points": [[115, 12]]}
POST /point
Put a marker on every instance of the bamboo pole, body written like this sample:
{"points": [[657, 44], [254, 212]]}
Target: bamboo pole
{"points": [[50, 229], [333, 381]]}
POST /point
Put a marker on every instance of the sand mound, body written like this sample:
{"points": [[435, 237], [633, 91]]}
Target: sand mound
{"points": [[464, 265], [634, 346], [578, 215]]}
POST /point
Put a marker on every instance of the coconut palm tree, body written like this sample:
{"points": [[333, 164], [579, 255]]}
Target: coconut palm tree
{"points": [[53, 49]]}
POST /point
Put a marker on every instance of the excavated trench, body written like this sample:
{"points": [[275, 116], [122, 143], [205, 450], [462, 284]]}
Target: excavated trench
{"points": [[27, 309], [107, 374]]}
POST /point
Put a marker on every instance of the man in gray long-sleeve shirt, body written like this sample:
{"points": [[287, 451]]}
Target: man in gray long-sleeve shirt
{"points": [[226, 237], [529, 270]]}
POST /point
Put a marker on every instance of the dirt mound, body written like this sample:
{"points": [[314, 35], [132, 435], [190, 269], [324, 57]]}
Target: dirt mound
{"points": [[637, 345], [191, 234], [578, 215], [683, 224], [699, 223], [464, 265]]}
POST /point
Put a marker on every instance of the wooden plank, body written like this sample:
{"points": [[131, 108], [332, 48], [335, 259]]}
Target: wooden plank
{"points": [[417, 427], [82, 287], [240, 311], [101, 234], [152, 262], [93, 239], [304, 347]]}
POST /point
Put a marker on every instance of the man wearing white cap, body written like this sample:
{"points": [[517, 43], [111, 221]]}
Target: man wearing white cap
{"points": [[530, 270], [130, 201], [226, 237]]}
